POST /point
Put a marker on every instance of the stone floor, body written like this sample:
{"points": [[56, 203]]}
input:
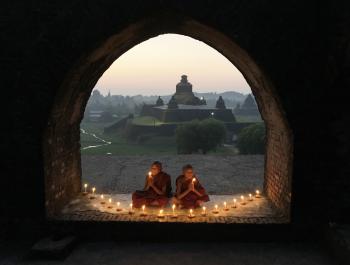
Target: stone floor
{"points": [[256, 210], [219, 174]]}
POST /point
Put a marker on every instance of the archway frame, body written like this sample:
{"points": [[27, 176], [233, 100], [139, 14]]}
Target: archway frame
{"points": [[61, 142]]}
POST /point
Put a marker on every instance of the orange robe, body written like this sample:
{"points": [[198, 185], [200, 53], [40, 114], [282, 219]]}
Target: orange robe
{"points": [[191, 200], [147, 197]]}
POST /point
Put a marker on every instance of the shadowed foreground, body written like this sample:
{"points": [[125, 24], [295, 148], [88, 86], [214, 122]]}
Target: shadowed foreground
{"points": [[182, 254]]}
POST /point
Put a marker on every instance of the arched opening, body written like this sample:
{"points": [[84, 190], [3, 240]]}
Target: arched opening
{"points": [[61, 142]]}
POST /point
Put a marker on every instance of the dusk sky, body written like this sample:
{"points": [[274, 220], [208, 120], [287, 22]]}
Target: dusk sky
{"points": [[154, 67]]}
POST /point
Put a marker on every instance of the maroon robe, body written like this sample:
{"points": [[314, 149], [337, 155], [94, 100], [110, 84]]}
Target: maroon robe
{"points": [[191, 200], [147, 197]]}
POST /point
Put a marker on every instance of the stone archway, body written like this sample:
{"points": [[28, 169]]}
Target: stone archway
{"points": [[61, 139]]}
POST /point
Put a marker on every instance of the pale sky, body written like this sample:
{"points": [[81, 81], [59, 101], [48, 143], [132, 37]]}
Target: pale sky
{"points": [[154, 67]]}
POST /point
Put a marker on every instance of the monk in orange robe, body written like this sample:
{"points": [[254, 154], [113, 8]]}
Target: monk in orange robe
{"points": [[189, 192], [157, 190]]}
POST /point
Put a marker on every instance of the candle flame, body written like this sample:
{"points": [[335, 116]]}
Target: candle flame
{"points": [[143, 207], [161, 211], [191, 211], [257, 192], [118, 204], [174, 206], [204, 208], [216, 206], [93, 190], [234, 200], [85, 185], [242, 197], [193, 180], [131, 205], [102, 196], [110, 200], [150, 173]]}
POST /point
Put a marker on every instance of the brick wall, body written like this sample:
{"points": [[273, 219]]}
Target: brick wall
{"points": [[294, 55]]}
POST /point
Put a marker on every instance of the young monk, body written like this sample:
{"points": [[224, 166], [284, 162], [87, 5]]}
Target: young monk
{"points": [[189, 192], [157, 190]]}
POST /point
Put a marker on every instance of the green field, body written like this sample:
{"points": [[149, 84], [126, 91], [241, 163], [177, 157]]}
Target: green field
{"points": [[120, 146]]}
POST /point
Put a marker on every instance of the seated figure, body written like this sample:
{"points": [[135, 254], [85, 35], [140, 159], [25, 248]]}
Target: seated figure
{"points": [[189, 191], [157, 190]]}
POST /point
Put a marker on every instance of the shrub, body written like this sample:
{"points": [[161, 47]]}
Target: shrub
{"points": [[251, 140]]}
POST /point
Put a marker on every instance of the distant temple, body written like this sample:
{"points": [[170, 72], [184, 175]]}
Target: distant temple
{"points": [[185, 106], [248, 108]]}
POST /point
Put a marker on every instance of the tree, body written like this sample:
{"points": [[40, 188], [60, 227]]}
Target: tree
{"points": [[251, 140], [200, 136]]}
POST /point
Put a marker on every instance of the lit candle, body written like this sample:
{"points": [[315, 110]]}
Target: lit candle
{"points": [[225, 206], [242, 200], [85, 188], [216, 210], [174, 214], [110, 203], [118, 207], [131, 211], [150, 174], [143, 210], [193, 180], [161, 215], [191, 215], [102, 199], [204, 212], [93, 193], [250, 197], [234, 205], [257, 194]]}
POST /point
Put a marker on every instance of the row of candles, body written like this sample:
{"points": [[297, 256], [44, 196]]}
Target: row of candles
{"points": [[161, 213]]}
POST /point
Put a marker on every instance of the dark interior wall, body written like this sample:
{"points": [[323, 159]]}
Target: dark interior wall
{"points": [[302, 46]]}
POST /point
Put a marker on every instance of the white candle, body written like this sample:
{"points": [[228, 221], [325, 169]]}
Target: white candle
{"points": [[150, 174], [242, 200], [234, 203], [204, 212], [131, 211], [193, 180], [216, 209], [118, 206], [110, 203], [102, 199], [257, 194], [225, 206], [85, 187], [250, 197], [93, 193], [143, 210], [191, 215], [161, 215]]}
